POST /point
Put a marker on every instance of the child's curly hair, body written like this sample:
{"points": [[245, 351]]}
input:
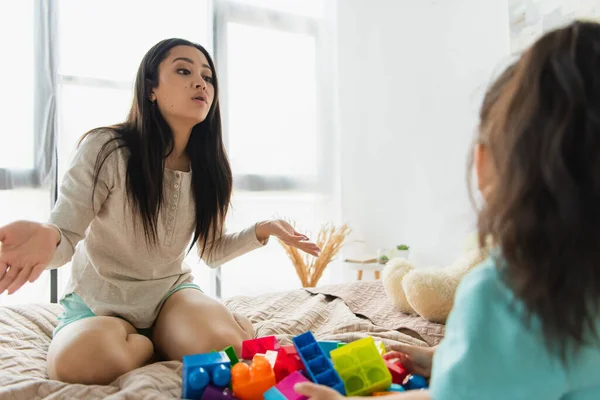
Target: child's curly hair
{"points": [[541, 124]]}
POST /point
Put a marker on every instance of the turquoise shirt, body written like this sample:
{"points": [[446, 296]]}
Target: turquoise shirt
{"points": [[489, 353]]}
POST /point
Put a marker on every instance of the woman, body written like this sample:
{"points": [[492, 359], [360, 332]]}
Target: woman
{"points": [[134, 198]]}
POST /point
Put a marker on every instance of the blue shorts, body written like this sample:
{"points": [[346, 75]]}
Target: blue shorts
{"points": [[74, 309]]}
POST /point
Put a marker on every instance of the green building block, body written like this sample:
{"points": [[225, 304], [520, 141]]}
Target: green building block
{"points": [[361, 367], [232, 356]]}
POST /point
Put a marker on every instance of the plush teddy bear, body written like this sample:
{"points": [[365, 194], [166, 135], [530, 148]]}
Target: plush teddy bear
{"points": [[428, 292]]}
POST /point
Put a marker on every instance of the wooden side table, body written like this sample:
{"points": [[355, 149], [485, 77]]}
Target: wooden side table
{"points": [[367, 265]]}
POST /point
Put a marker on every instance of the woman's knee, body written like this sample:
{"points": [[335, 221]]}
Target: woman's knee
{"points": [[96, 356]]}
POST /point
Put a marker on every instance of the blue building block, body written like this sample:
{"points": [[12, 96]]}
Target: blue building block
{"points": [[274, 394], [396, 388], [200, 370], [415, 382], [328, 346], [318, 366]]}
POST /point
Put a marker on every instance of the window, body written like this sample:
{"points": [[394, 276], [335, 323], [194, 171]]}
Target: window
{"points": [[17, 44], [275, 63]]}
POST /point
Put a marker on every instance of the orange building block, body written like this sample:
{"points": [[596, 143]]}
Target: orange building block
{"points": [[251, 382]]}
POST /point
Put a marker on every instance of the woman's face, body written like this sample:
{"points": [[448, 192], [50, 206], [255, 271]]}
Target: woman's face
{"points": [[185, 90]]}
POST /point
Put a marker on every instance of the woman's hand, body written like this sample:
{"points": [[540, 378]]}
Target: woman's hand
{"points": [[287, 234], [27, 248], [416, 359]]}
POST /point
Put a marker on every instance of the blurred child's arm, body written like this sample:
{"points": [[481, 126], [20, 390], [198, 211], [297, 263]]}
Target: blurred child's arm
{"points": [[320, 392]]}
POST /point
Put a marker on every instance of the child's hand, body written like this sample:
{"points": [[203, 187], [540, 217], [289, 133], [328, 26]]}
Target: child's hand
{"points": [[416, 359], [27, 248], [317, 392]]}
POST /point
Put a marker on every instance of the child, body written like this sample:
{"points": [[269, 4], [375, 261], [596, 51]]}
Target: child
{"points": [[525, 323], [135, 197]]}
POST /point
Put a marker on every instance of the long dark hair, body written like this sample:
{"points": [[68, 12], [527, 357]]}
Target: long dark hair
{"points": [[149, 140], [543, 133]]}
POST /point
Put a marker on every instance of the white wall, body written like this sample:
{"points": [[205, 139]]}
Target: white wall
{"points": [[411, 77]]}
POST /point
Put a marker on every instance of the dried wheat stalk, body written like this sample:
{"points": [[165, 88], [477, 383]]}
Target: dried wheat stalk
{"points": [[310, 269]]}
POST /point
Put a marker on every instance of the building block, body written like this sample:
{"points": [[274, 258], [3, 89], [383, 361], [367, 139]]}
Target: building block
{"points": [[271, 357], [317, 364], [380, 347], [293, 353], [214, 393], [328, 346], [251, 382], [362, 368], [259, 345], [341, 345], [396, 388], [287, 363], [399, 373], [290, 349], [273, 394], [230, 351], [392, 390], [415, 382], [286, 386], [200, 370]]}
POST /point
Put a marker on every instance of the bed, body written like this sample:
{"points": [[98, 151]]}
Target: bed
{"points": [[341, 312]]}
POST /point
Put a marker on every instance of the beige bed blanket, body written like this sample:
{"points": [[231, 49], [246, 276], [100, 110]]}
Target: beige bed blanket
{"points": [[25, 333]]}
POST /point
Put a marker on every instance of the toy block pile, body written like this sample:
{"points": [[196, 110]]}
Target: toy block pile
{"points": [[267, 370]]}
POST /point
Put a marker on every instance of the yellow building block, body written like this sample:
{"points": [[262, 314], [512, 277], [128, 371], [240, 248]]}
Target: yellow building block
{"points": [[380, 346], [361, 367]]}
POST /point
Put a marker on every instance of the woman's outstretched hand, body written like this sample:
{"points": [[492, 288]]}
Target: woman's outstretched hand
{"points": [[287, 234], [26, 249]]}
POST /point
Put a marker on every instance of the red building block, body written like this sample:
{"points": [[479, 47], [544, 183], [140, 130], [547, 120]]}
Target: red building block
{"points": [[259, 345], [399, 373], [286, 364]]}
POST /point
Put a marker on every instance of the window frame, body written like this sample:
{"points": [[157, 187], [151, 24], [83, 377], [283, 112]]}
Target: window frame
{"points": [[227, 11]]}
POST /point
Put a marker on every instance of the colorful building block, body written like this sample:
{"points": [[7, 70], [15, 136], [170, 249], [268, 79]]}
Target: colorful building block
{"points": [[396, 388], [341, 345], [287, 362], [286, 386], [251, 382], [399, 373], [214, 393], [273, 394], [362, 368], [259, 345], [230, 351], [317, 364], [380, 346], [328, 346], [415, 382], [200, 370], [271, 357]]}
